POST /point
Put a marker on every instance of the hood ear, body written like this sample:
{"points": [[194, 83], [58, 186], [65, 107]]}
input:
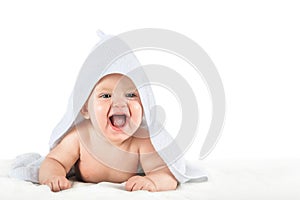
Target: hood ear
{"points": [[84, 111]]}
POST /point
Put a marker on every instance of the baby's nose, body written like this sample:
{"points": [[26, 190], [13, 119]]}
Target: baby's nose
{"points": [[119, 102]]}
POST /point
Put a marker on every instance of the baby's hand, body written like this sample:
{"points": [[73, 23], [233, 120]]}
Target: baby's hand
{"points": [[58, 183], [140, 183]]}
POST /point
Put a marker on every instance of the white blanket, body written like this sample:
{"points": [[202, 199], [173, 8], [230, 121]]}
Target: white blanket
{"points": [[228, 179]]}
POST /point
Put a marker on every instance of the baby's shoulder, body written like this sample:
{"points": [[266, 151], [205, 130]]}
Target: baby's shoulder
{"points": [[75, 130], [70, 137], [143, 142]]}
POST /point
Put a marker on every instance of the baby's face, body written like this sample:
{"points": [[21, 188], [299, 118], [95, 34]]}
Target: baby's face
{"points": [[115, 108]]}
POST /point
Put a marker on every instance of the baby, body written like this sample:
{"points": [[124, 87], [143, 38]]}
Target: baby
{"points": [[113, 111]]}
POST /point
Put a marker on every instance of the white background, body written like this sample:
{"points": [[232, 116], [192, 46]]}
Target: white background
{"points": [[255, 46]]}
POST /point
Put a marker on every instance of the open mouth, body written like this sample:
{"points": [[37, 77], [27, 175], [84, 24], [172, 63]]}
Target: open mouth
{"points": [[118, 121]]}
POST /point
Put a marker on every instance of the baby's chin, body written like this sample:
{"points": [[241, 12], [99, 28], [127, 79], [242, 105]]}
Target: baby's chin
{"points": [[120, 134]]}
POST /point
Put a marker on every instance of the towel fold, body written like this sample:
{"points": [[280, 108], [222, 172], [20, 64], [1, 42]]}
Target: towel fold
{"points": [[26, 167]]}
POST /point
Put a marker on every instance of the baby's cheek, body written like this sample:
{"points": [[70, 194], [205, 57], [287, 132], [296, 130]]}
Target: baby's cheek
{"points": [[136, 112], [100, 112], [101, 109]]}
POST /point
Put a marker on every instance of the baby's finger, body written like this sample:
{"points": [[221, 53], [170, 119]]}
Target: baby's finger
{"points": [[49, 185], [138, 186], [146, 186], [64, 184], [55, 185], [149, 187], [129, 185]]}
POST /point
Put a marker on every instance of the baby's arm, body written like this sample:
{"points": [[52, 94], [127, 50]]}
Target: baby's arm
{"points": [[158, 176], [58, 163]]}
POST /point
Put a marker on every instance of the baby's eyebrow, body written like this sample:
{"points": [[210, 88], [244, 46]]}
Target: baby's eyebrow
{"points": [[131, 89], [99, 89]]}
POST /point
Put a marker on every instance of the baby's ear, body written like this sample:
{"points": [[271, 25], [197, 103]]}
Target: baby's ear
{"points": [[84, 111]]}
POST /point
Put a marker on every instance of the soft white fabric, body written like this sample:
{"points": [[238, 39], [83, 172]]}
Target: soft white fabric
{"points": [[26, 167], [229, 179]]}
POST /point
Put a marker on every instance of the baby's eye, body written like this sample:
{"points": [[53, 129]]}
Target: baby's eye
{"points": [[105, 96], [131, 95]]}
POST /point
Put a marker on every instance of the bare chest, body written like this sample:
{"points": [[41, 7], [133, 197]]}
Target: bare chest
{"points": [[106, 166]]}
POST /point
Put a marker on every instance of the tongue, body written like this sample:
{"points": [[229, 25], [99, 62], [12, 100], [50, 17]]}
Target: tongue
{"points": [[118, 120]]}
